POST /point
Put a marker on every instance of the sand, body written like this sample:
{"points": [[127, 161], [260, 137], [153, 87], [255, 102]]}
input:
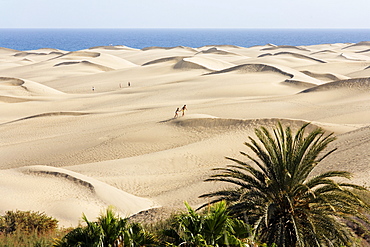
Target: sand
{"points": [[67, 149]]}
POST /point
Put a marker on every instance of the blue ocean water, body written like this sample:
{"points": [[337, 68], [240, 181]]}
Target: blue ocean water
{"points": [[78, 39]]}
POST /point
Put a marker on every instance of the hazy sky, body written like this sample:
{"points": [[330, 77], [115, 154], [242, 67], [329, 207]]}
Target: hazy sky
{"points": [[184, 14]]}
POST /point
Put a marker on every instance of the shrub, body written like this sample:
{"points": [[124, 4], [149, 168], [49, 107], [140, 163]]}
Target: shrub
{"points": [[27, 222]]}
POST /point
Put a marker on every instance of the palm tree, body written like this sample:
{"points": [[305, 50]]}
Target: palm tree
{"points": [[112, 227], [109, 231], [88, 236], [279, 197], [135, 235], [214, 227]]}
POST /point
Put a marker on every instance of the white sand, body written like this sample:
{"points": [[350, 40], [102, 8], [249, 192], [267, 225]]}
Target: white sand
{"points": [[67, 150]]}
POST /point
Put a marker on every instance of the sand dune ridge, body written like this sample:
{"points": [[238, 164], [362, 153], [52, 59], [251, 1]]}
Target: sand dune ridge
{"points": [[165, 59], [169, 48], [87, 63], [359, 84], [49, 114], [284, 47], [11, 81], [252, 68], [299, 56], [324, 76]]}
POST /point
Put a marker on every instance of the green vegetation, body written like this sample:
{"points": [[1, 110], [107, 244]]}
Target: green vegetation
{"points": [[279, 198], [214, 227], [27, 222], [26, 228], [110, 230], [274, 201]]}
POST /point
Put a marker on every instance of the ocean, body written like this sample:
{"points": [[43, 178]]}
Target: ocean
{"points": [[78, 39]]}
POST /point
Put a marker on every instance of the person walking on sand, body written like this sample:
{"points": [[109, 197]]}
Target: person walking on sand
{"points": [[177, 112], [183, 109]]}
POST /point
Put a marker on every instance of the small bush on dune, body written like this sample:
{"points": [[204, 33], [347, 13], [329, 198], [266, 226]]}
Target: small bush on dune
{"points": [[27, 228], [27, 222]]}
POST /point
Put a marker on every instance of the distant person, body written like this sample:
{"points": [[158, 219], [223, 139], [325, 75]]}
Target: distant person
{"points": [[93, 89], [177, 112], [128, 84], [183, 109]]}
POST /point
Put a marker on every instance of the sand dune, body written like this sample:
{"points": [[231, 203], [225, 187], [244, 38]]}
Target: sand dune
{"points": [[4, 50], [297, 55], [323, 52], [66, 190], [358, 46], [355, 160], [229, 124], [339, 67], [215, 50], [207, 47], [106, 60], [114, 48], [292, 77], [8, 81], [24, 54], [9, 99], [359, 84], [78, 54], [67, 149], [285, 47], [165, 59], [85, 63], [50, 114], [252, 68], [17, 87], [325, 76], [360, 74], [198, 62], [169, 48], [354, 57]]}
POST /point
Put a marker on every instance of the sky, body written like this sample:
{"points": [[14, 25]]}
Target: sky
{"points": [[184, 14]]}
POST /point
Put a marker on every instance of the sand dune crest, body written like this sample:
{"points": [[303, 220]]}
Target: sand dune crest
{"points": [[86, 63], [49, 114], [297, 55], [165, 59], [113, 48], [252, 68], [221, 46], [323, 52], [359, 44], [125, 203], [215, 122], [284, 47], [169, 48], [325, 76], [357, 84], [24, 54], [7, 50], [215, 50], [9, 81], [10, 99], [77, 54]]}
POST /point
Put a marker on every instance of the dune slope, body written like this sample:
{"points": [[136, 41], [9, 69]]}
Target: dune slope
{"points": [[84, 130]]}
